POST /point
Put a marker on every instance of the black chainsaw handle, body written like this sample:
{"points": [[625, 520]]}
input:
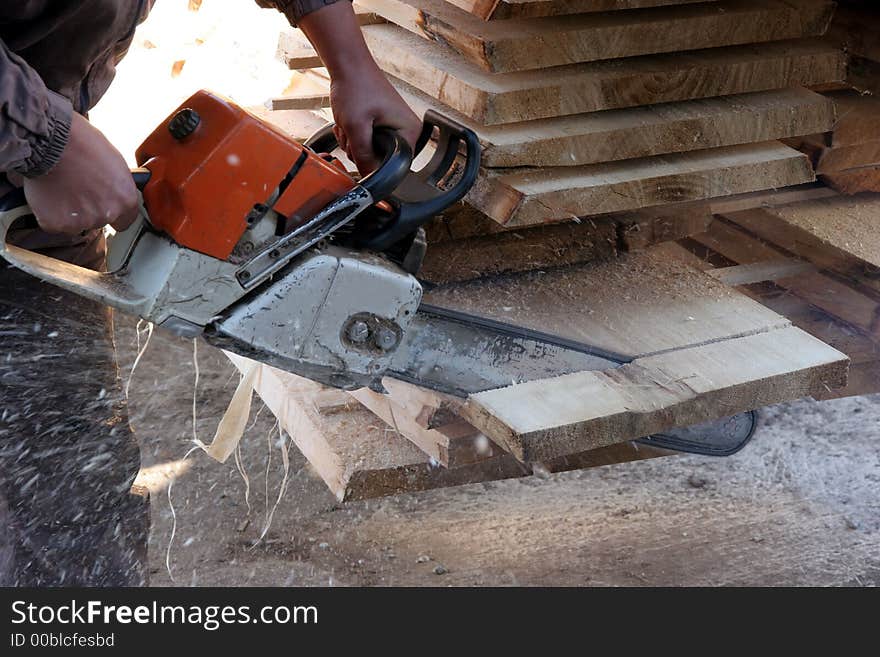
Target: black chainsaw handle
{"points": [[417, 197], [395, 152]]}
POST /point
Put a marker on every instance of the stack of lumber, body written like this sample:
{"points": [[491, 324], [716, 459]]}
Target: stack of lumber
{"points": [[603, 109], [642, 191], [847, 158]]}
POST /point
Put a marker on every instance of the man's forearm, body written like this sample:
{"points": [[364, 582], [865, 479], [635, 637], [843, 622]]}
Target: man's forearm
{"points": [[337, 38]]}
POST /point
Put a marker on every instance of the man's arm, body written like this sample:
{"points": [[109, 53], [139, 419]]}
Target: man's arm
{"points": [[73, 178], [360, 94]]}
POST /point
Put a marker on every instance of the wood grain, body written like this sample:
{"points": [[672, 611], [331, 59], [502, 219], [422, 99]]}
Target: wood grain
{"points": [[511, 97], [535, 43]]}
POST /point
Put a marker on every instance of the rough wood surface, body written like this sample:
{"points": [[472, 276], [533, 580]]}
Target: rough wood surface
{"points": [[510, 97], [535, 43], [638, 304], [854, 181], [502, 9], [840, 234], [832, 160], [643, 131], [856, 118], [862, 350], [301, 102], [545, 419], [360, 457], [536, 196], [842, 298]]}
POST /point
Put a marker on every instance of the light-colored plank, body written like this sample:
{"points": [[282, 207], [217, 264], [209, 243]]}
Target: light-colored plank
{"points": [[837, 297], [503, 9], [302, 102], [552, 417], [451, 445], [639, 304], [359, 457], [510, 97], [554, 194], [643, 131], [535, 43], [839, 234], [759, 272]]}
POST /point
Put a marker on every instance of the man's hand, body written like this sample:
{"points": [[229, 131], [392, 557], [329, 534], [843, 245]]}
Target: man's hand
{"points": [[90, 187], [361, 96]]}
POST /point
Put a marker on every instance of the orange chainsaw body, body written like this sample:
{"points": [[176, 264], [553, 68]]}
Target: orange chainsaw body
{"points": [[211, 171]]}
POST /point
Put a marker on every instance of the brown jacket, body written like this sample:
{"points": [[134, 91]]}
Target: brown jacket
{"points": [[58, 57]]}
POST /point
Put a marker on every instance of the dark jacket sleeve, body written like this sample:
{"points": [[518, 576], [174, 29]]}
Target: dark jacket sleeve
{"points": [[295, 9], [34, 121]]}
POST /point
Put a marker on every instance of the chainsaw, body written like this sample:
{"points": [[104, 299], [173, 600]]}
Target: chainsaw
{"points": [[270, 249]]}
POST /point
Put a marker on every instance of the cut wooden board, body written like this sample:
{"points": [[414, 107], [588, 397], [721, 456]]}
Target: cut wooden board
{"points": [[545, 419], [301, 102], [557, 245], [502, 9], [359, 457], [644, 131], [510, 97], [857, 120], [854, 181], [832, 160], [839, 234], [639, 304], [862, 350], [555, 194], [841, 298], [535, 43]]}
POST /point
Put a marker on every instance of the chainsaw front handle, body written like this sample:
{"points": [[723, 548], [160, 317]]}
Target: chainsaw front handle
{"points": [[417, 196], [110, 288]]}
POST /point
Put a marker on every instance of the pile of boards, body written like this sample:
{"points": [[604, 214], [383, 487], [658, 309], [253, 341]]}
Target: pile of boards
{"points": [[847, 157], [636, 194]]}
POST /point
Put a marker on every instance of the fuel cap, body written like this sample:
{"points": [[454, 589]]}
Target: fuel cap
{"points": [[184, 123]]}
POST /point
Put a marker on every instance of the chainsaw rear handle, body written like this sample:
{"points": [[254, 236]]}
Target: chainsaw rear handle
{"points": [[108, 288], [417, 197]]}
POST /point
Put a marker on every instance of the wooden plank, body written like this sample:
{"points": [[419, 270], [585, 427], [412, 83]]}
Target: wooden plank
{"points": [[475, 256], [861, 349], [837, 297], [759, 272], [544, 246], [545, 419], [856, 118], [504, 9], [451, 445], [832, 160], [359, 457], [839, 234], [510, 97], [301, 102], [854, 181], [622, 134], [545, 195], [638, 304], [535, 43]]}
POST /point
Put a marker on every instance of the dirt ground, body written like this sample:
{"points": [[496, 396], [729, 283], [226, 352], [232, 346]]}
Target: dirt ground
{"points": [[799, 506]]}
